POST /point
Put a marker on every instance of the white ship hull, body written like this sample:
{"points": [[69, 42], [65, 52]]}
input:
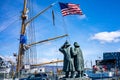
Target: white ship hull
{"points": [[4, 70]]}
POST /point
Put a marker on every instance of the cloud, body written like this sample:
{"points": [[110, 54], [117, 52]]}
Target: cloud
{"points": [[109, 37]]}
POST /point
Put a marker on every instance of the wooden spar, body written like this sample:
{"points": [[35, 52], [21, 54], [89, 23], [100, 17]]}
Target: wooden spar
{"points": [[21, 51], [48, 40], [39, 14], [57, 61]]}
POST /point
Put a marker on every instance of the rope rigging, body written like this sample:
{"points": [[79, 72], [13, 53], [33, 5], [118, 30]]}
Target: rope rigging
{"points": [[31, 54], [5, 25], [11, 18]]}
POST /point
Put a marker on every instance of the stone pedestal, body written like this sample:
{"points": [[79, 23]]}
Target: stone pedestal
{"points": [[74, 79]]}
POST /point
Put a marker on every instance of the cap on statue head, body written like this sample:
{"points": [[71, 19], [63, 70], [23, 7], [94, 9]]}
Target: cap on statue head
{"points": [[76, 44], [67, 43]]}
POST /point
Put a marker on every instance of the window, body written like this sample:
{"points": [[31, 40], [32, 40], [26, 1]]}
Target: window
{"points": [[38, 75]]}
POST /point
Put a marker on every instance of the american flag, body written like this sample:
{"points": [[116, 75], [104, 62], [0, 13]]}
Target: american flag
{"points": [[69, 9]]}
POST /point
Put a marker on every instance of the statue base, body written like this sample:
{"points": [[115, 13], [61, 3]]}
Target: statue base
{"points": [[75, 78]]}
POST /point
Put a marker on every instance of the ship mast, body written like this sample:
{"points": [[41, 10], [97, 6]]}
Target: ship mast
{"points": [[22, 34], [21, 49]]}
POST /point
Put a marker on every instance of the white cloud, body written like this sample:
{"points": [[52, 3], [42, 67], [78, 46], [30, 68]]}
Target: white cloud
{"points": [[107, 36]]}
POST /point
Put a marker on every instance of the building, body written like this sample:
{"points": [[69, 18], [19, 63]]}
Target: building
{"points": [[111, 59]]}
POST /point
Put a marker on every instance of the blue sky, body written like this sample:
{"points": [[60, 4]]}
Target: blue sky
{"points": [[97, 31]]}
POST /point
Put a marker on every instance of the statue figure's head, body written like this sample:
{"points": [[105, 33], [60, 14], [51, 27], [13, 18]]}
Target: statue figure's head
{"points": [[76, 44], [66, 44]]}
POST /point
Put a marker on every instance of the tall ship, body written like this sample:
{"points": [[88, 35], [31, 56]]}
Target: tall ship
{"points": [[26, 58]]}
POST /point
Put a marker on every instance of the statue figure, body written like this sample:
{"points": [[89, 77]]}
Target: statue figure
{"points": [[78, 59], [68, 65]]}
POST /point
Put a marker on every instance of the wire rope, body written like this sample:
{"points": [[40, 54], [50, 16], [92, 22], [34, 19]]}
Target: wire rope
{"points": [[4, 27], [31, 35]]}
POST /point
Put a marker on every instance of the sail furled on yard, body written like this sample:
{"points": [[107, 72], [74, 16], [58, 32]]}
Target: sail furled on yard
{"points": [[53, 17], [70, 9]]}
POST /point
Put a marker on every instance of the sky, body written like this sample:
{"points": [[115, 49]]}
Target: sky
{"points": [[97, 31]]}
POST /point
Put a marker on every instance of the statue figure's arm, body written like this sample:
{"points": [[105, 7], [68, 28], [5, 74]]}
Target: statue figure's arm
{"points": [[73, 51], [62, 49]]}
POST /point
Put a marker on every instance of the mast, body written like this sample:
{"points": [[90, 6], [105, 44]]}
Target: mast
{"points": [[21, 49]]}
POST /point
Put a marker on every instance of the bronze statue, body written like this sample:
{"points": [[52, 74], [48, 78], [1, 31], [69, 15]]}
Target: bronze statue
{"points": [[78, 59], [68, 65]]}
